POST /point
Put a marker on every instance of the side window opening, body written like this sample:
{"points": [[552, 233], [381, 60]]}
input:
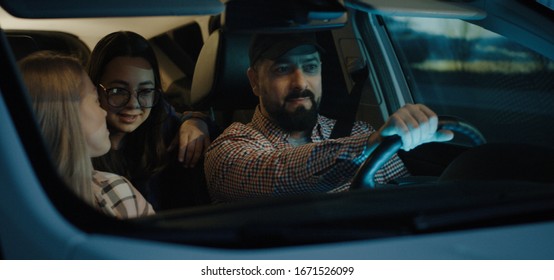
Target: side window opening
{"points": [[177, 51], [461, 69]]}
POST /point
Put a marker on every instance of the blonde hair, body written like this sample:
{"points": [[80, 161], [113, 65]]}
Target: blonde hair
{"points": [[55, 83]]}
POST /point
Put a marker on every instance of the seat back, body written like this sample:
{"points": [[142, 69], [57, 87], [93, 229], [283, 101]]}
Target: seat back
{"points": [[220, 80], [25, 42]]}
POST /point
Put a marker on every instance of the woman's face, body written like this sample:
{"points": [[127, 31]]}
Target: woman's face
{"points": [[93, 120], [131, 74]]}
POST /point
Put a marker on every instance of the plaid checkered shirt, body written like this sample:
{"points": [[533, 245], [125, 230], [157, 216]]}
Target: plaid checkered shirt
{"points": [[257, 160], [117, 197]]}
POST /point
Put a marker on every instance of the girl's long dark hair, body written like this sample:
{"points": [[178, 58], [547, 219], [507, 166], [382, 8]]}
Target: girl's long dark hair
{"points": [[143, 151]]}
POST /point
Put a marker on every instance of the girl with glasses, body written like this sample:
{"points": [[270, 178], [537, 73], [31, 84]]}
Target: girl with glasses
{"points": [[160, 150]]}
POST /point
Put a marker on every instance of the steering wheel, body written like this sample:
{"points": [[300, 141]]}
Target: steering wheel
{"points": [[365, 176]]}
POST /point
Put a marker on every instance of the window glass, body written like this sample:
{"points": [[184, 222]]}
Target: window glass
{"points": [[461, 69]]}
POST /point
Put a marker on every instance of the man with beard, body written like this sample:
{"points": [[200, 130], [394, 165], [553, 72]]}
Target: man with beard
{"points": [[286, 148]]}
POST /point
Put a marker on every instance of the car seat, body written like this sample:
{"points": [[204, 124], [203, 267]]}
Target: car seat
{"points": [[220, 83], [25, 42]]}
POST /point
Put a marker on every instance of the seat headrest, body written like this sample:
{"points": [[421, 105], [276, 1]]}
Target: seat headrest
{"points": [[25, 42], [220, 79]]}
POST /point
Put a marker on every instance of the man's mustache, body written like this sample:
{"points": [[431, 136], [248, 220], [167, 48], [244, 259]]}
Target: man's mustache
{"points": [[300, 94]]}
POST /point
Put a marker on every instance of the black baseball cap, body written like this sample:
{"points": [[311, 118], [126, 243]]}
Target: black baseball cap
{"points": [[272, 46]]}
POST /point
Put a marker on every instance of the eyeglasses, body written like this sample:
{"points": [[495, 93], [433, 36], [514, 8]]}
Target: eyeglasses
{"points": [[119, 97]]}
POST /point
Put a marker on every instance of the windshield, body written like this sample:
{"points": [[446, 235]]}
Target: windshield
{"points": [[461, 69]]}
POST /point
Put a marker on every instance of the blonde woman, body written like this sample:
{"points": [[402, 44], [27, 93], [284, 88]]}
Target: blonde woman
{"points": [[74, 127]]}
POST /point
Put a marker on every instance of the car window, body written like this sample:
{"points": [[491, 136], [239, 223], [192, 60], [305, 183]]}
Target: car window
{"points": [[458, 68]]}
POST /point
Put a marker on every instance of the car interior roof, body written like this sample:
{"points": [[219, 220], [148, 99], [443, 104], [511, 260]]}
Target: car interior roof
{"points": [[109, 8]]}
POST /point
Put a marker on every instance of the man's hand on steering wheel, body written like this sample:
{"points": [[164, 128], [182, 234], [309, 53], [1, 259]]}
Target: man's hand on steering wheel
{"points": [[406, 129], [416, 124]]}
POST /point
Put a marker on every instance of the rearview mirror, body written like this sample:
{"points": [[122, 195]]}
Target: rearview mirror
{"points": [[283, 15]]}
